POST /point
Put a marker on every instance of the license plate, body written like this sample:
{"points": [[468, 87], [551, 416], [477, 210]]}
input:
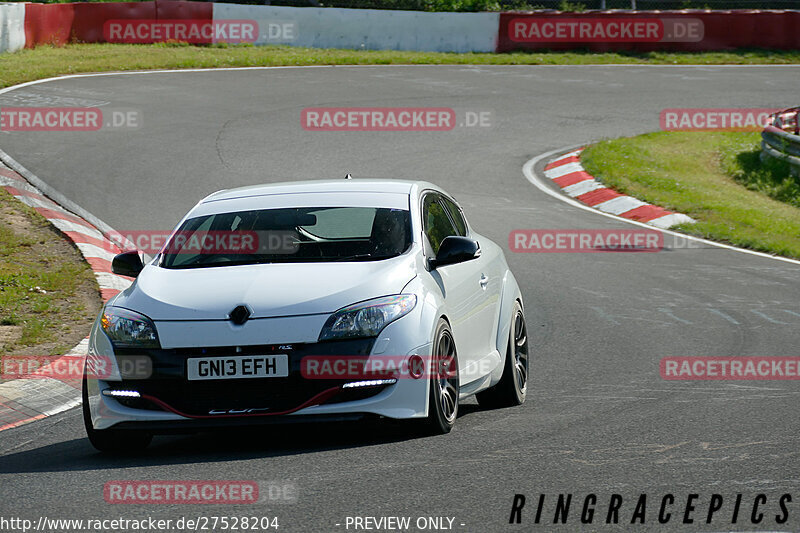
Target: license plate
{"points": [[238, 367]]}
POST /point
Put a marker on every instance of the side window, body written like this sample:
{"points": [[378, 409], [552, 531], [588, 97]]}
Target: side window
{"points": [[455, 216], [437, 224]]}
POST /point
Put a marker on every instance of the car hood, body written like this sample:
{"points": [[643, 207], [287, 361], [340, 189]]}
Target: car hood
{"points": [[270, 290]]}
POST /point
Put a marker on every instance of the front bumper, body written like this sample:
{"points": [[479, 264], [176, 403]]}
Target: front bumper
{"points": [[170, 401]]}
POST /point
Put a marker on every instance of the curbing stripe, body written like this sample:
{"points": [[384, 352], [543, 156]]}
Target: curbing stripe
{"points": [[562, 170], [27, 400], [80, 237], [646, 213], [90, 250], [582, 187], [620, 205], [99, 264], [535, 179], [567, 172], [598, 196], [68, 227], [62, 215], [572, 178], [562, 161], [670, 220]]}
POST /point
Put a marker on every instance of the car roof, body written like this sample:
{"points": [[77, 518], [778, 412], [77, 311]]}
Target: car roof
{"points": [[390, 186]]}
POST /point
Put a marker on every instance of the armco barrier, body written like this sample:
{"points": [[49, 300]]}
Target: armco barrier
{"points": [[369, 29], [685, 30], [87, 26], [12, 27], [48, 24], [781, 138], [84, 21]]}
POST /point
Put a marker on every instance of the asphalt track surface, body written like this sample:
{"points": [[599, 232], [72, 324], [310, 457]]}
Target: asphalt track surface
{"points": [[599, 419]]}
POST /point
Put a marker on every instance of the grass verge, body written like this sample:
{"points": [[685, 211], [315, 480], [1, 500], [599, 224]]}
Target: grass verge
{"points": [[46, 61], [48, 294], [714, 177]]}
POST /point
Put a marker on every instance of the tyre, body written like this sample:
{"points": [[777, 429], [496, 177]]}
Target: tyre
{"points": [[444, 383], [513, 385], [111, 440]]}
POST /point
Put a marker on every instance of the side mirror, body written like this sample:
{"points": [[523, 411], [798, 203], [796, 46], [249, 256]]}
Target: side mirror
{"points": [[127, 264], [455, 250]]}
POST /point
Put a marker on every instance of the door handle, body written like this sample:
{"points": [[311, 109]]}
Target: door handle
{"points": [[484, 281]]}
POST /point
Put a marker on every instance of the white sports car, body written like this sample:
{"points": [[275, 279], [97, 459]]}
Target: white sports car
{"points": [[317, 300]]}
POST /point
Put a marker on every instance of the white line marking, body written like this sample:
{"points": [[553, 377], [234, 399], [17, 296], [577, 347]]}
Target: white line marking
{"points": [[455, 66], [725, 316], [670, 314], [768, 319]]}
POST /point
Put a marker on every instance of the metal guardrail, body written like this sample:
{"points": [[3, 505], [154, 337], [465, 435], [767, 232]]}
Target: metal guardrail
{"points": [[781, 138], [523, 5]]}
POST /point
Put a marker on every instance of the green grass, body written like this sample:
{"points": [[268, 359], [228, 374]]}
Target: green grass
{"points": [[716, 178], [43, 282], [46, 61]]}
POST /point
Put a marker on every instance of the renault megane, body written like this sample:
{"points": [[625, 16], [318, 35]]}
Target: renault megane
{"points": [[304, 301]]}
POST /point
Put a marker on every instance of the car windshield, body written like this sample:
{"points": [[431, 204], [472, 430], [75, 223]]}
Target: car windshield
{"points": [[293, 235]]}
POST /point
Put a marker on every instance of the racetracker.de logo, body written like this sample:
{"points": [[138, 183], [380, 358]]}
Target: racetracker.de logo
{"points": [[181, 492], [730, 368], [585, 240], [363, 367], [50, 119], [378, 119], [709, 119], [64, 367], [548, 29], [142, 31], [241, 242], [72, 367], [66, 119]]}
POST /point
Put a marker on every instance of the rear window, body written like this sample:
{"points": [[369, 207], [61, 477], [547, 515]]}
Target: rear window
{"points": [[293, 235]]}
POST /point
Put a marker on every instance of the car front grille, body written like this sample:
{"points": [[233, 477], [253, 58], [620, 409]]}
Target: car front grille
{"points": [[168, 388]]}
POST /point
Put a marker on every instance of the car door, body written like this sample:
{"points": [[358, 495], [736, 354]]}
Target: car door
{"points": [[462, 286], [483, 320]]}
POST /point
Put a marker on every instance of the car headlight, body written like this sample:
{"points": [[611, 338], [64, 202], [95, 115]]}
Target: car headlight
{"points": [[128, 329], [367, 319]]}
